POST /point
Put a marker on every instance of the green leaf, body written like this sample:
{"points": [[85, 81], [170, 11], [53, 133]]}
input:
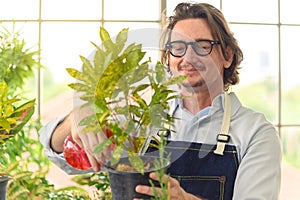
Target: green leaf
{"points": [[138, 73], [106, 41], [138, 99], [4, 124], [121, 39], [11, 101], [132, 47], [8, 110], [174, 80], [136, 162], [91, 128], [102, 146], [130, 127], [157, 115], [91, 119], [26, 118], [26, 105], [80, 87], [134, 110], [3, 89], [159, 72], [99, 59], [140, 88], [116, 155], [108, 59], [134, 57], [76, 74], [88, 71], [104, 35], [115, 129], [118, 90]]}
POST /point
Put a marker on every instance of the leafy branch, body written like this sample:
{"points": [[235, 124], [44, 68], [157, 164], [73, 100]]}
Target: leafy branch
{"points": [[113, 84], [12, 117]]}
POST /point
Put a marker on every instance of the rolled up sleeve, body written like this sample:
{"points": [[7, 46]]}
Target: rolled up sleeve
{"points": [[58, 159]]}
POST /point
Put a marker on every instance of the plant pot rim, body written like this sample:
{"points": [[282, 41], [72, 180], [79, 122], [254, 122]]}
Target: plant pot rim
{"points": [[4, 177], [114, 170]]}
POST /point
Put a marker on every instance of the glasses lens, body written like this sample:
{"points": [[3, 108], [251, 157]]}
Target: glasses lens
{"points": [[177, 48], [202, 47]]}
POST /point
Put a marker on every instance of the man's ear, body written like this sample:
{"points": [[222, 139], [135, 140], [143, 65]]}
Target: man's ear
{"points": [[229, 54]]}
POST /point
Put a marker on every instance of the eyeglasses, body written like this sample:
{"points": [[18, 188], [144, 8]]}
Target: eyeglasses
{"points": [[201, 47]]}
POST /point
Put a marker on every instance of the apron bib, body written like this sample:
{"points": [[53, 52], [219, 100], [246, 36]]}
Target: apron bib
{"points": [[205, 170], [202, 172]]}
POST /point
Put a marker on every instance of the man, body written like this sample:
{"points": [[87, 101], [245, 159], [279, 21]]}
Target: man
{"points": [[221, 150]]}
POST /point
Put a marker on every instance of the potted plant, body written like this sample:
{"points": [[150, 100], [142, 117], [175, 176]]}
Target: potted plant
{"points": [[113, 85], [16, 65], [17, 126], [13, 117]]}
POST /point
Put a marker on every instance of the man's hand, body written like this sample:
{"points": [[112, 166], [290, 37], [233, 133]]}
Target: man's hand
{"points": [[88, 141], [175, 192]]}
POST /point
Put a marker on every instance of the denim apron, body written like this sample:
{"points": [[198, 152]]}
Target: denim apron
{"points": [[205, 170]]}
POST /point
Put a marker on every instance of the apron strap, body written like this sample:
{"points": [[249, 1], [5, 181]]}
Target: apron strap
{"points": [[223, 137]]}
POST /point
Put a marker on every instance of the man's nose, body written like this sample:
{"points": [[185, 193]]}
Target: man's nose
{"points": [[190, 54]]}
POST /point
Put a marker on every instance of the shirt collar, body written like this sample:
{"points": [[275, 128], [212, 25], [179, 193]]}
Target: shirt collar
{"points": [[217, 104]]}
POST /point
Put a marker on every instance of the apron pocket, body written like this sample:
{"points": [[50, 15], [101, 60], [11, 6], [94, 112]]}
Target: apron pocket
{"points": [[208, 187]]}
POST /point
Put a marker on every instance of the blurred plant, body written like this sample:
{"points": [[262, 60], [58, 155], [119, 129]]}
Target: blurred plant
{"points": [[100, 181], [160, 164], [17, 62], [12, 118], [68, 193], [22, 155]]}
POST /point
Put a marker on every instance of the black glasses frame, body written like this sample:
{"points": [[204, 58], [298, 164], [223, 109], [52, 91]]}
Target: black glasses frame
{"points": [[193, 44]]}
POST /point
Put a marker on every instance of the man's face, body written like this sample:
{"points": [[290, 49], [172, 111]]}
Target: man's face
{"points": [[204, 72]]}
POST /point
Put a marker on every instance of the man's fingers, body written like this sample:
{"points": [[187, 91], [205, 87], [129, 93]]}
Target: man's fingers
{"points": [[165, 177], [90, 142], [148, 190], [78, 141], [95, 165], [143, 189]]}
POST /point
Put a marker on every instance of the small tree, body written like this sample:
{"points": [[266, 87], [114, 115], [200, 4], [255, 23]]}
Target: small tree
{"points": [[113, 85]]}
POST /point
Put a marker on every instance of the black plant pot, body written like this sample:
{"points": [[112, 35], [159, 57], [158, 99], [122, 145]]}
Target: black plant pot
{"points": [[3, 184], [123, 183]]}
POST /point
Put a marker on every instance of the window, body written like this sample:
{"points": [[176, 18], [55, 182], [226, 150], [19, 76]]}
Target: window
{"points": [[267, 32]]}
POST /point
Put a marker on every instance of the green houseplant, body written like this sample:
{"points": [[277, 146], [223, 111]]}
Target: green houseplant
{"points": [[16, 65], [19, 148], [13, 117], [17, 62], [113, 85]]}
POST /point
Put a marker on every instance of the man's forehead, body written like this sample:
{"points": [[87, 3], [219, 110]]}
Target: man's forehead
{"points": [[191, 29]]}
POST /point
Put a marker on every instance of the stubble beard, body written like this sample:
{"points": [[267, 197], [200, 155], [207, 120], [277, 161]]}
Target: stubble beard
{"points": [[193, 88]]}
